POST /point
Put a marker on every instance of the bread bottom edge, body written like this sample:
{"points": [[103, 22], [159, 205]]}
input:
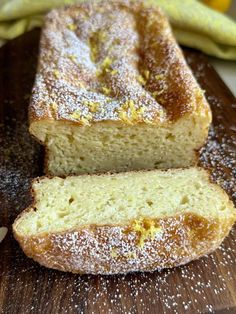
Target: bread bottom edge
{"points": [[142, 246]]}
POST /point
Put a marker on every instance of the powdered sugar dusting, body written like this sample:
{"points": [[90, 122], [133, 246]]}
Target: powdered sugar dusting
{"points": [[219, 153], [112, 54], [224, 166], [202, 286], [115, 249]]}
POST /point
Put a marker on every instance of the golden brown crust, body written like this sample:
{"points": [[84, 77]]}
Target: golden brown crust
{"points": [[117, 249], [146, 244], [116, 61]]}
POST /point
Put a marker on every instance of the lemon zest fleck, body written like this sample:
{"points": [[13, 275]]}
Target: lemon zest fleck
{"points": [[94, 53], [93, 106], [141, 110], [157, 93], [81, 85], [106, 90], [85, 120], [114, 72], [113, 253], [106, 62], [131, 255], [54, 106], [98, 73], [76, 115], [146, 228], [159, 77], [72, 58], [71, 27], [56, 73], [124, 117], [141, 80], [148, 121], [102, 36], [146, 74], [134, 115]]}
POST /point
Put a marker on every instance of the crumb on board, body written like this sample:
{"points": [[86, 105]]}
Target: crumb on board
{"points": [[3, 232]]}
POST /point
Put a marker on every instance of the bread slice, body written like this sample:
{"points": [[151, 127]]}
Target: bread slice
{"points": [[113, 91], [119, 223]]}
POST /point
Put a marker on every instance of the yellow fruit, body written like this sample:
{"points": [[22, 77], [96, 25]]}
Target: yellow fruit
{"points": [[219, 5]]}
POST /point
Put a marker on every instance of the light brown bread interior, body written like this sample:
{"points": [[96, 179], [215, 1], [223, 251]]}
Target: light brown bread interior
{"points": [[118, 199], [108, 146]]}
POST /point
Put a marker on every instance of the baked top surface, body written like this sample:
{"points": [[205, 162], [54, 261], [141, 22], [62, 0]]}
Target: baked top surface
{"points": [[115, 60]]}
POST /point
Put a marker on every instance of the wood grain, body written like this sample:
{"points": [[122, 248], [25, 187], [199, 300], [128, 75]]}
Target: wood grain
{"points": [[206, 285]]}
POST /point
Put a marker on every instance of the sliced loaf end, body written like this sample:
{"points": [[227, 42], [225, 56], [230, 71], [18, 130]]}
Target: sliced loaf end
{"points": [[137, 221]]}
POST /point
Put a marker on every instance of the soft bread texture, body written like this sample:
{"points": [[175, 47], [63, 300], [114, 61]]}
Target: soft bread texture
{"points": [[119, 223], [113, 91]]}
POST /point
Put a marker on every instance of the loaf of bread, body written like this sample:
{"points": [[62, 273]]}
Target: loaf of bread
{"points": [[119, 223], [113, 91]]}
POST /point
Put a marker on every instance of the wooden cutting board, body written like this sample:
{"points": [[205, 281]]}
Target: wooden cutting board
{"points": [[206, 285]]}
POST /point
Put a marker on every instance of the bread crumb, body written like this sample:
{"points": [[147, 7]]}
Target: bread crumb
{"points": [[27, 96], [3, 232]]}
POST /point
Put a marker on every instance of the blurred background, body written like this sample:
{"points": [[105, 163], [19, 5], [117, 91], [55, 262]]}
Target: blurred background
{"points": [[208, 25], [227, 69]]}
